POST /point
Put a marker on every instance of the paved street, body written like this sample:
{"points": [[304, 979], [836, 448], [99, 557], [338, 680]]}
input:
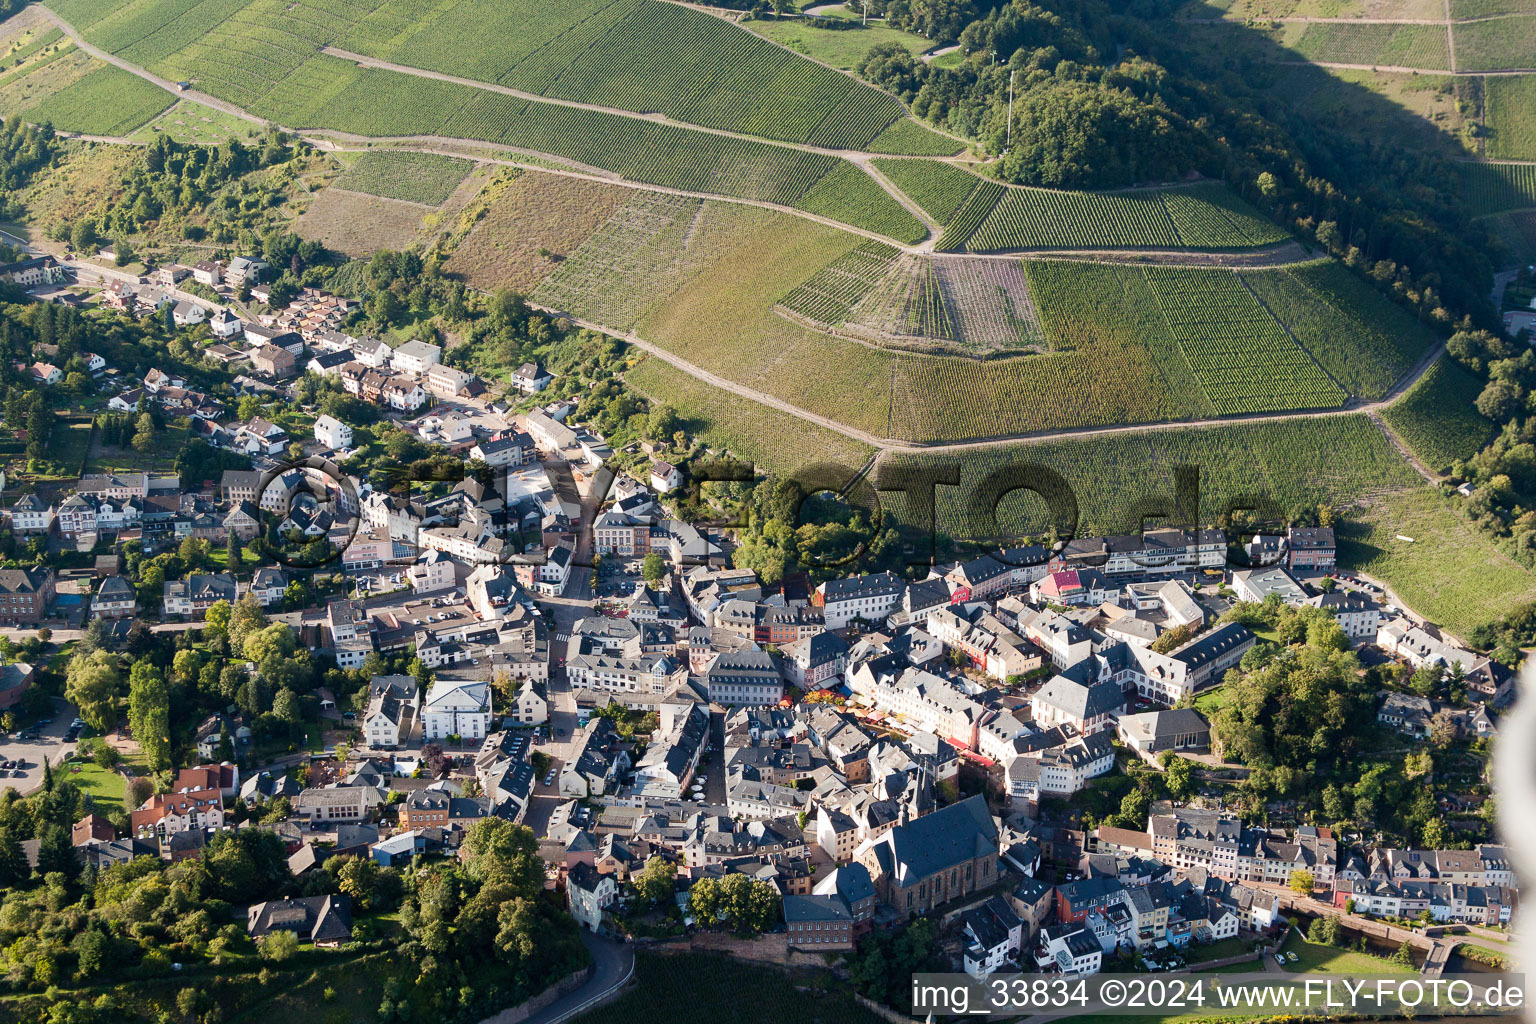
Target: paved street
{"points": [[612, 965]]}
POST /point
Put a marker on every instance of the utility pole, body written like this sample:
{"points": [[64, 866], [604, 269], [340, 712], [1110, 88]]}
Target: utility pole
{"points": [[1009, 141]]}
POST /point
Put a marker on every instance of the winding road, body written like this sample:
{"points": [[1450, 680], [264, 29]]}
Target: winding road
{"points": [[884, 446], [889, 445]]}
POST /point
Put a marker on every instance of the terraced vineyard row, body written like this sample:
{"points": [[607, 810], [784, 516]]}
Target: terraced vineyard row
{"points": [[1209, 216], [830, 295], [909, 138], [1205, 216], [1406, 46], [1492, 188], [640, 55], [1294, 464], [1436, 418], [939, 188], [1241, 356], [1365, 341], [847, 194], [699, 69], [107, 101], [977, 206]]}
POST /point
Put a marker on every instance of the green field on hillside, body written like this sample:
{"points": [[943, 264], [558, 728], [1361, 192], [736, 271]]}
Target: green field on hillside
{"points": [[639, 55], [1509, 103], [107, 101], [1449, 571], [1290, 464], [773, 441], [1496, 44], [937, 187], [425, 178], [1436, 419], [841, 47], [1205, 216]]}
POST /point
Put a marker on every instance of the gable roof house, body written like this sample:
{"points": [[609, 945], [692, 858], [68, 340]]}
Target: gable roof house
{"points": [[325, 921]]}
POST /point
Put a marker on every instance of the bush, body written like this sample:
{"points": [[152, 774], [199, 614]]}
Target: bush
{"points": [[277, 946]]}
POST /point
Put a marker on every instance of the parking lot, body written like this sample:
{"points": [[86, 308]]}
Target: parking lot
{"points": [[51, 743], [618, 577]]}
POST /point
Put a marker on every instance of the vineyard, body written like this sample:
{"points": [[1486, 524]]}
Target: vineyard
{"points": [[1436, 419], [1209, 216], [35, 81], [1365, 341], [107, 101], [1493, 188], [1205, 216], [909, 138], [939, 188], [1496, 44], [848, 194], [424, 178], [775, 442], [1294, 464], [1405, 46], [646, 248], [638, 55], [1510, 103], [830, 294], [959, 304], [528, 226], [1480, 8], [969, 216], [988, 302], [1241, 356], [723, 320]]}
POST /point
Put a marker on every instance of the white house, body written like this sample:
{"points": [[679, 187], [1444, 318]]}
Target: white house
{"points": [[457, 708], [589, 894], [333, 433], [225, 324], [188, 314], [245, 270], [390, 719], [530, 706], [415, 357], [530, 378], [665, 477]]}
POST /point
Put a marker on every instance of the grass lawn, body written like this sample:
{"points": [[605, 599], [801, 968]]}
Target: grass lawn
{"points": [[1220, 950], [842, 48], [1450, 573], [104, 784], [248, 557], [1316, 959], [1211, 701]]}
